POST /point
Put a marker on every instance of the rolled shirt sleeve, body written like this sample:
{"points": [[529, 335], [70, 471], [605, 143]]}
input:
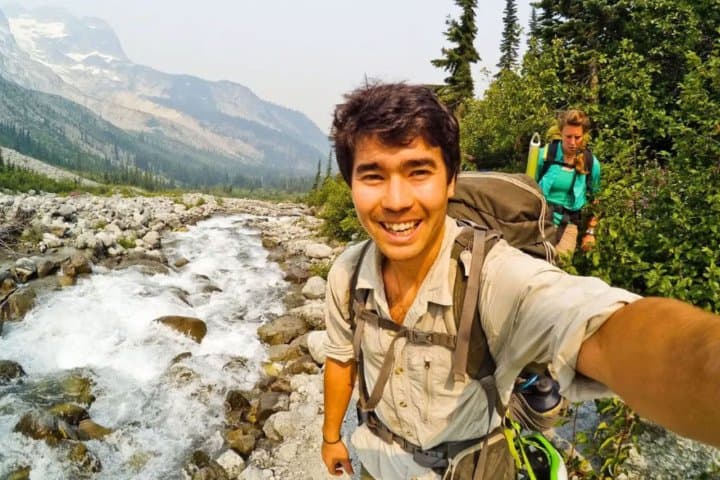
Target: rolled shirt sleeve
{"points": [[337, 296], [533, 312]]}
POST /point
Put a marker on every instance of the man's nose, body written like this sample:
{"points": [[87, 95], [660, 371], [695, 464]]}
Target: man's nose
{"points": [[398, 194]]}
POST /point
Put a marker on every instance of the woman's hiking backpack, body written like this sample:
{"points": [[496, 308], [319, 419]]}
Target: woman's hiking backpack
{"points": [[511, 204]]}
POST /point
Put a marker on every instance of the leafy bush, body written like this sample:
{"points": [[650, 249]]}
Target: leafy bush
{"points": [[336, 209]]}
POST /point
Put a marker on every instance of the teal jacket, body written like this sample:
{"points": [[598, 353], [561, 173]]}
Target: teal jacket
{"points": [[573, 199]]}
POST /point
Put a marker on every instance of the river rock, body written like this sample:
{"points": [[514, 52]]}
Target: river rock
{"points": [[43, 425], [84, 460], [76, 265], [280, 425], [314, 288], [282, 329], [232, 463], [188, 326], [24, 270], [65, 281], [67, 212], [152, 239], [18, 304], [296, 273], [51, 241], [236, 400], [181, 262], [202, 467], [21, 473], [312, 313], [240, 441], [70, 412], [86, 240], [318, 250], [8, 283], [45, 267], [9, 370], [89, 430], [283, 352], [77, 388], [304, 364], [271, 402]]}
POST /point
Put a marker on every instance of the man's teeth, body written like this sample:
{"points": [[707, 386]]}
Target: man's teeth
{"points": [[399, 227]]}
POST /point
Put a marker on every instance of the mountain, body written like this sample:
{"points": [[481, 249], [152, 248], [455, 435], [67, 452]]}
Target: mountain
{"points": [[224, 123]]}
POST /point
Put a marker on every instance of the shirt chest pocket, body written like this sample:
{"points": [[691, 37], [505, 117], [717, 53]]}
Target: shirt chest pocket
{"points": [[429, 375]]}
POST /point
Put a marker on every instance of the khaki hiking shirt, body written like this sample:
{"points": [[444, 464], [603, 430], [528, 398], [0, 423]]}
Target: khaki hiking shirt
{"points": [[531, 312]]}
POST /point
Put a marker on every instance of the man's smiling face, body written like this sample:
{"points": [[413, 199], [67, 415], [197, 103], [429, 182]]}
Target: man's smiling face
{"points": [[400, 195]]}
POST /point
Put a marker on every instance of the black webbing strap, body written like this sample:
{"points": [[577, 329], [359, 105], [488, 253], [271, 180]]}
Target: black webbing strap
{"points": [[437, 457]]}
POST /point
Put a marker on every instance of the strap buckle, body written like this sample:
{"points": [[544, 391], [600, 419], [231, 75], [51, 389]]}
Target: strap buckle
{"points": [[420, 337]]}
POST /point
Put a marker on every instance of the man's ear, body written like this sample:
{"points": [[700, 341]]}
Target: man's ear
{"points": [[451, 187]]}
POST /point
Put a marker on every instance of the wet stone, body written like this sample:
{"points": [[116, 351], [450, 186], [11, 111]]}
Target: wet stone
{"points": [[189, 326], [9, 370]]}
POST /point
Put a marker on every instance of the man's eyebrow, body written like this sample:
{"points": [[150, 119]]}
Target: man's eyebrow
{"points": [[367, 167], [420, 163]]}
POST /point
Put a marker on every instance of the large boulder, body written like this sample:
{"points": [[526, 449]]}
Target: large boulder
{"points": [[188, 326], [282, 330]]}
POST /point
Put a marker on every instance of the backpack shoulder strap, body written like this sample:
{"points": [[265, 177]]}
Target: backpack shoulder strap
{"points": [[588, 168], [353, 284], [470, 251], [550, 155]]}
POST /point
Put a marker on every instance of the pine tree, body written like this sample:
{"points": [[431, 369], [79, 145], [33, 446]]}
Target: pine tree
{"points": [[510, 37], [458, 59], [316, 183], [328, 170], [533, 25]]}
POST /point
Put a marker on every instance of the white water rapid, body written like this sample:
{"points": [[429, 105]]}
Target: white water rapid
{"points": [[103, 328]]}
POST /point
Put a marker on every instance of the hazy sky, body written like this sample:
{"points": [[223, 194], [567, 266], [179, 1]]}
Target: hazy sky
{"points": [[303, 54]]}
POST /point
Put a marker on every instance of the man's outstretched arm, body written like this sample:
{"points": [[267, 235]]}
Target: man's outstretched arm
{"points": [[662, 357], [338, 386]]}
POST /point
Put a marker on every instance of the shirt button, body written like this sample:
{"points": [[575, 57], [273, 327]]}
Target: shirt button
{"points": [[402, 404], [399, 371]]}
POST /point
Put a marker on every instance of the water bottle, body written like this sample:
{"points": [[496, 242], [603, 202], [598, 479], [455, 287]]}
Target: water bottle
{"points": [[533, 153], [543, 394]]}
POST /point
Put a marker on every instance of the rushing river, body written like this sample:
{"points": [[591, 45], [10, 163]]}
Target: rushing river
{"points": [[159, 408]]}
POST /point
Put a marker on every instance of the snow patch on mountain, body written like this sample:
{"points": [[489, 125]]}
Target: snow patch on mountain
{"points": [[27, 30], [81, 57]]}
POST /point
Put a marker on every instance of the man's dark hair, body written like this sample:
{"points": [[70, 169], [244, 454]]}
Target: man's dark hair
{"points": [[396, 113]]}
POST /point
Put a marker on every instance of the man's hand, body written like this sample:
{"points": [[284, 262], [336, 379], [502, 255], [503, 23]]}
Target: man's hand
{"points": [[336, 458]]}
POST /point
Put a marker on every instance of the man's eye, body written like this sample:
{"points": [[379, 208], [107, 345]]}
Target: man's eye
{"points": [[420, 173], [371, 177]]}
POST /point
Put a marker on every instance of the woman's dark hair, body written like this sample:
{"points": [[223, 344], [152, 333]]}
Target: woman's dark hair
{"points": [[396, 113]]}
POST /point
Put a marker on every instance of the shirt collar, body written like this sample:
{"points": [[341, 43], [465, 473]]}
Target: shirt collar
{"points": [[436, 287]]}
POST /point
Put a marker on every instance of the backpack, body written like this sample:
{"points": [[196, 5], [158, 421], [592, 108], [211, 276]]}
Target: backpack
{"points": [[552, 154]]}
